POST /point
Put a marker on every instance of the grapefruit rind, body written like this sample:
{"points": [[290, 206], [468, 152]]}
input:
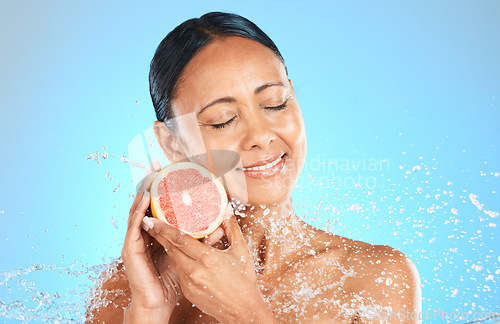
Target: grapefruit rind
{"points": [[155, 197]]}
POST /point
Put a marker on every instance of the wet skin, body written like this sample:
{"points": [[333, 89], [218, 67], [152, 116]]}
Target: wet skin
{"points": [[297, 273]]}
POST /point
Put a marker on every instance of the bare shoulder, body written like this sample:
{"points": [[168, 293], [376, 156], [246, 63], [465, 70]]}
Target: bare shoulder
{"points": [[366, 260], [382, 264], [110, 296], [389, 281], [371, 278], [366, 257]]}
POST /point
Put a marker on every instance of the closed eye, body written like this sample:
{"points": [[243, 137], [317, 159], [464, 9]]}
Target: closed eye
{"points": [[219, 126], [222, 125], [280, 107]]}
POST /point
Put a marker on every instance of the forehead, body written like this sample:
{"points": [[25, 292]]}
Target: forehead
{"points": [[229, 66]]}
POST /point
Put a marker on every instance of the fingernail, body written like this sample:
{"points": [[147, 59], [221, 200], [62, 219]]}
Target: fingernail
{"points": [[145, 227], [149, 223], [156, 165]]}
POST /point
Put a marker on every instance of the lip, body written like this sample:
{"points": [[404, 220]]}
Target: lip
{"points": [[265, 161], [267, 173]]}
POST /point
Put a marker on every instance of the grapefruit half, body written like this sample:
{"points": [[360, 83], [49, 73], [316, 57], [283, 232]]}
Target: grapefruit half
{"points": [[189, 197]]}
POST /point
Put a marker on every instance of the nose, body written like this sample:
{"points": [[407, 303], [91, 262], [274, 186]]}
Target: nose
{"points": [[259, 132]]}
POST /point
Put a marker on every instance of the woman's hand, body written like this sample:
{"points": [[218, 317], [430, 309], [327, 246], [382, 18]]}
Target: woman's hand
{"points": [[153, 281], [221, 283]]}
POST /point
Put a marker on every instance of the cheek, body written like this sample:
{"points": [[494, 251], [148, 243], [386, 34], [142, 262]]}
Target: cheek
{"points": [[220, 140], [293, 130]]}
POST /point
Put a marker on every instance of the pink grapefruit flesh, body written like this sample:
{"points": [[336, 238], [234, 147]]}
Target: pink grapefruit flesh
{"points": [[189, 197]]}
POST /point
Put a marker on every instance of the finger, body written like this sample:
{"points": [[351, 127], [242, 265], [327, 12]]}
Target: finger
{"points": [[176, 257], [145, 185], [229, 212], [213, 238], [182, 262], [134, 226], [136, 218], [233, 231], [170, 236], [156, 246], [156, 166]]}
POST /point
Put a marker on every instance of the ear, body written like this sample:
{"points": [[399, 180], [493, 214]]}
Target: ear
{"points": [[170, 144], [291, 83]]}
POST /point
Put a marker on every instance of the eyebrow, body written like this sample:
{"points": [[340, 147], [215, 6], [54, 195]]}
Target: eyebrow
{"points": [[231, 99]]}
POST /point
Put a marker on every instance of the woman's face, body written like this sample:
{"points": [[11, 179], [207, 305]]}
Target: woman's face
{"points": [[244, 102]]}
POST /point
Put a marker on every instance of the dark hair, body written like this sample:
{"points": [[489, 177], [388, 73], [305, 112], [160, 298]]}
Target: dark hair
{"points": [[181, 44]]}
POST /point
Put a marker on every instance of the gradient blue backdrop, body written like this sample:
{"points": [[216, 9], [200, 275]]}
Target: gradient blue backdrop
{"points": [[407, 85]]}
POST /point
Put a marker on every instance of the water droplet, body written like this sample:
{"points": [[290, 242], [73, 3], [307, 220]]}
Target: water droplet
{"points": [[94, 157], [266, 211], [454, 292], [355, 207], [454, 211], [417, 168], [104, 155], [113, 222], [388, 281], [124, 159]]}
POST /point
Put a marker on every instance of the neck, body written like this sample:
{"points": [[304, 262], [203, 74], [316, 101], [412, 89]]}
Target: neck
{"points": [[272, 232]]}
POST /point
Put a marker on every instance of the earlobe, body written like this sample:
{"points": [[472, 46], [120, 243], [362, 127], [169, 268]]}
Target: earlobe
{"points": [[168, 141]]}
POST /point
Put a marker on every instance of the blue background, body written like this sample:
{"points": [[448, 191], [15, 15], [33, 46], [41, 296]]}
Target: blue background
{"points": [[385, 87]]}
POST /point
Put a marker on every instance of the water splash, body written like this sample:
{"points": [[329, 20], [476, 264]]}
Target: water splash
{"points": [[416, 212], [94, 157], [24, 301], [473, 199]]}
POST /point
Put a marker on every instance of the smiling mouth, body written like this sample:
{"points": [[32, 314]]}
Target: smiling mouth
{"points": [[265, 170], [263, 167]]}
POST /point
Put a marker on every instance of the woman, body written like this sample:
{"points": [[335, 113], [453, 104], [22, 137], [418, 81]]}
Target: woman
{"points": [[263, 265]]}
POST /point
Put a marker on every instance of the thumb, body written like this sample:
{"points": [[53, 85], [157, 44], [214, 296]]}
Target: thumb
{"points": [[214, 237], [232, 230]]}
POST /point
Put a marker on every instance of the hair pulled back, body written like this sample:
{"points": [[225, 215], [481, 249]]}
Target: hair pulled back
{"points": [[180, 46]]}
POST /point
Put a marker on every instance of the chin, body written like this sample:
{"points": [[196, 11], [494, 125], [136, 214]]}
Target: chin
{"points": [[275, 189], [273, 195]]}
